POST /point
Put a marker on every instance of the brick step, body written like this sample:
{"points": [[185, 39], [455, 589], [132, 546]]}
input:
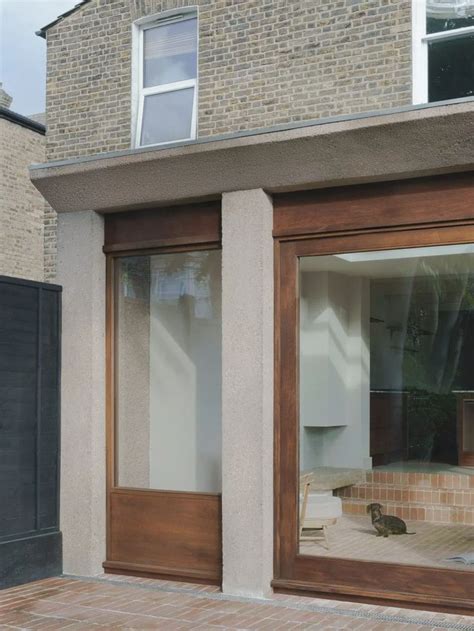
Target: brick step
{"points": [[372, 492], [415, 512], [425, 480]]}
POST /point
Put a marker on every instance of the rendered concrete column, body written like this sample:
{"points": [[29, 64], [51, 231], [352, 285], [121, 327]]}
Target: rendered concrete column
{"points": [[247, 392], [81, 272]]}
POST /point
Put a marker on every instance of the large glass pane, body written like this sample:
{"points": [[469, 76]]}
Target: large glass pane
{"points": [[170, 53], [447, 15], [386, 390], [451, 68], [168, 371], [167, 117]]}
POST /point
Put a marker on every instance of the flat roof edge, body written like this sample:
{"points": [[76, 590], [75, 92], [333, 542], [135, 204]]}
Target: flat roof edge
{"points": [[21, 120], [254, 132]]}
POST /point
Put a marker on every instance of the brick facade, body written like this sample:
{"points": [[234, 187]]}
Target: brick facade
{"points": [[260, 64], [50, 243], [22, 207]]}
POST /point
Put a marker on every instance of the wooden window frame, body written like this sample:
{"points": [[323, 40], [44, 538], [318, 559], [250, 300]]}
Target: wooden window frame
{"points": [[158, 231], [311, 233]]}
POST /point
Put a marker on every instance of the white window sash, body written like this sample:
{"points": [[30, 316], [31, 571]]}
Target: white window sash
{"points": [[169, 87], [419, 53], [451, 34], [139, 92], [420, 42], [180, 17]]}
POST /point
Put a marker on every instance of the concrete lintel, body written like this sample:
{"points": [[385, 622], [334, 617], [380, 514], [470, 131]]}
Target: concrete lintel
{"points": [[247, 393], [382, 147], [81, 271]]}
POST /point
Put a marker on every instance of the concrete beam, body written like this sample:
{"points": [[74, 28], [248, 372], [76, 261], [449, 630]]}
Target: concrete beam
{"points": [[422, 141], [247, 393], [81, 271]]}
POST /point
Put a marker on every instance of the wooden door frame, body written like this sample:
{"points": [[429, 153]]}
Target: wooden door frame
{"points": [[366, 581], [191, 236]]}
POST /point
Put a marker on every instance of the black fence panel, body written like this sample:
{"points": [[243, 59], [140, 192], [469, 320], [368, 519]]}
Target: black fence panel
{"points": [[30, 337]]}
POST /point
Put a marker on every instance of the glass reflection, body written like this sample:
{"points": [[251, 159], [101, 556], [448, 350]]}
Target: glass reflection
{"points": [[450, 15], [170, 53], [451, 68], [167, 117], [386, 406], [168, 371]]}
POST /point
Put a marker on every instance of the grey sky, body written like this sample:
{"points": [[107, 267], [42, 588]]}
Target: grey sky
{"points": [[22, 53]]}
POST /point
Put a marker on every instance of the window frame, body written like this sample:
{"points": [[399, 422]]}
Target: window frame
{"points": [[139, 92], [420, 42], [156, 231], [313, 223]]}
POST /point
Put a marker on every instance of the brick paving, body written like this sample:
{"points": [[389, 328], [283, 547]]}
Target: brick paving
{"points": [[106, 603]]}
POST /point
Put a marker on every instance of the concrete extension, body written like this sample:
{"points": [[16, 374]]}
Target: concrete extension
{"points": [[386, 146], [247, 392], [383, 147]]}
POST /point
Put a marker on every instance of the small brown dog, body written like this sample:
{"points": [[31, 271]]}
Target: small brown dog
{"points": [[386, 525]]}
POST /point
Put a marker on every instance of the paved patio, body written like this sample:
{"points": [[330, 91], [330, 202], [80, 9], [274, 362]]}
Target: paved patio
{"points": [[125, 603]]}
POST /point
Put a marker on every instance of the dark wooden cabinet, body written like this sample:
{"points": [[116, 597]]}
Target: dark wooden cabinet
{"points": [[388, 427], [466, 428]]}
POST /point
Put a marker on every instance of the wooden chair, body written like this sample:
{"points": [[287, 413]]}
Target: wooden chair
{"points": [[311, 523]]}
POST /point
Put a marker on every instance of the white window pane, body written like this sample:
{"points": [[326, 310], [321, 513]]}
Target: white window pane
{"points": [[167, 117], [451, 68], [168, 367], [447, 15], [170, 53]]}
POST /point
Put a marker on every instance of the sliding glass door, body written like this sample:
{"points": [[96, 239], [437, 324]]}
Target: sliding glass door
{"points": [[386, 365], [374, 423]]}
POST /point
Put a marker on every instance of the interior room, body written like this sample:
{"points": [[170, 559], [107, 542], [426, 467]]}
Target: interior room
{"points": [[387, 406]]}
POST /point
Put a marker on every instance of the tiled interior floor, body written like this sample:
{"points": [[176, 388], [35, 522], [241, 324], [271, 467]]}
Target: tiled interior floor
{"points": [[124, 603], [353, 537]]}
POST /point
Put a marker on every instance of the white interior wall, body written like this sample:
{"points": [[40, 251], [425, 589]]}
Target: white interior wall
{"points": [[334, 370], [324, 333], [185, 392]]}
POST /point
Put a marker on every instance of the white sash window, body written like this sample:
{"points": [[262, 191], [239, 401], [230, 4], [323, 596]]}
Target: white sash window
{"points": [[165, 79], [443, 50]]}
